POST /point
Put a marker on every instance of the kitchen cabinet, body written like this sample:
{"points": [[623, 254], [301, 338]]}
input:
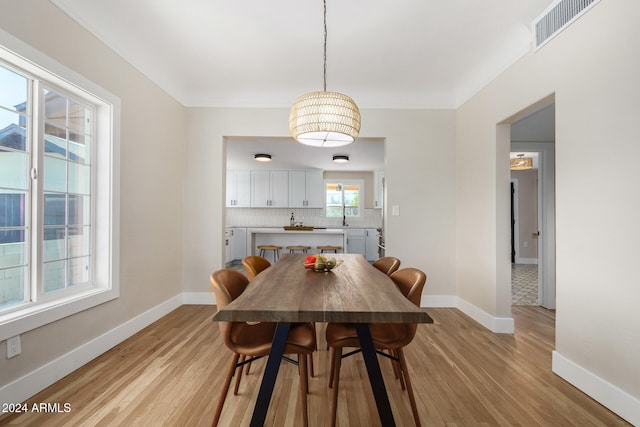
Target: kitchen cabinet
{"points": [[269, 189], [238, 189], [238, 243], [356, 243], [378, 183], [363, 241], [227, 246], [306, 189], [371, 244]]}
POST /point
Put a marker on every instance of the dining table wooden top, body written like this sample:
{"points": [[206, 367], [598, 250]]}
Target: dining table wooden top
{"points": [[353, 292]]}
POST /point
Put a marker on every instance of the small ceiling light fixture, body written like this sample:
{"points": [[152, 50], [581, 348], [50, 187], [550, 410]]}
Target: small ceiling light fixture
{"points": [[262, 157], [521, 163], [324, 119], [340, 158]]}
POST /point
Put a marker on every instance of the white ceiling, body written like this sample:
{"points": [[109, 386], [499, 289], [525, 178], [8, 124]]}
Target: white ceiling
{"points": [[256, 53], [366, 154]]}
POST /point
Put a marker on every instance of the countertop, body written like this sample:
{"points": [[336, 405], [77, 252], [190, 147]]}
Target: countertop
{"points": [[272, 230]]}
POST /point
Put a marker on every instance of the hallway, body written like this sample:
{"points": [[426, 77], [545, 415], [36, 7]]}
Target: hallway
{"points": [[524, 284]]}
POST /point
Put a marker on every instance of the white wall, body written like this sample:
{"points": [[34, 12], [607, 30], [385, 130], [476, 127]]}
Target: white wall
{"points": [[416, 140], [592, 67], [151, 145], [446, 170]]}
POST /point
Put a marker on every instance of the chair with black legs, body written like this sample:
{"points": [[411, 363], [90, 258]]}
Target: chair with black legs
{"points": [[386, 336], [254, 340], [254, 264]]}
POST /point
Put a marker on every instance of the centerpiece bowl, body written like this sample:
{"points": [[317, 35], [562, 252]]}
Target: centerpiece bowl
{"points": [[320, 263]]}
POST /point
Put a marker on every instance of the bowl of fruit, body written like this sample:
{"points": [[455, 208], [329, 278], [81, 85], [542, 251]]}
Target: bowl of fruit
{"points": [[321, 263]]}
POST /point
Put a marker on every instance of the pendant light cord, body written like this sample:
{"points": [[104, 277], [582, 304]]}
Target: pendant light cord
{"points": [[325, 45]]}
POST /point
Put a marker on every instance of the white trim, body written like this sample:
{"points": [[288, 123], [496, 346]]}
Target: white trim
{"points": [[615, 399], [198, 298], [499, 325], [439, 301], [22, 388], [107, 210], [41, 378]]}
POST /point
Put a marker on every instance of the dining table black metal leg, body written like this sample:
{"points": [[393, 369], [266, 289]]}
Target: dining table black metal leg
{"points": [[270, 373], [375, 375]]}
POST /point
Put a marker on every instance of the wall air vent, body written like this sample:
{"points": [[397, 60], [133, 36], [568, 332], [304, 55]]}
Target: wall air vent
{"points": [[557, 17]]}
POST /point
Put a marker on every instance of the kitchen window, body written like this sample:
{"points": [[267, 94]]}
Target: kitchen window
{"points": [[58, 236], [343, 198]]}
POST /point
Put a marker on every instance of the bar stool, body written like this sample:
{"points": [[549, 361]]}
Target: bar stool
{"points": [[276, 251], [327, 248], [304, 249]]}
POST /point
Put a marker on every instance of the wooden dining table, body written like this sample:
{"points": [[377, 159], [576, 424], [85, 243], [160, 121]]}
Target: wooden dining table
{"points": [[354, 292]]}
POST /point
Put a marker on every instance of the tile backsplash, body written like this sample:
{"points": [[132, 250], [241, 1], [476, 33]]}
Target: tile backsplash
{"points": [[276, 217]]}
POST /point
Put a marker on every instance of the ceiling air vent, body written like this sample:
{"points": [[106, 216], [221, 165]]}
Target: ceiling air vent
{"points": [[557, 17]]}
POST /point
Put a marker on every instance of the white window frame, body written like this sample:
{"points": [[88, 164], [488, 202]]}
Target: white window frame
{"points": [[358, 182], [106, 185]]}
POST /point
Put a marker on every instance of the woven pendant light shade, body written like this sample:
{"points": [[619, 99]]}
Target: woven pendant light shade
{"points": [[521, 163], [324, 119]]}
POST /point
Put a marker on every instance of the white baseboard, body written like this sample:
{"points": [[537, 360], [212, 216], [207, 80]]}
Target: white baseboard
{"points": [[618, 401], [439, 301], [499, 325], [41, 378], [198, 298]]}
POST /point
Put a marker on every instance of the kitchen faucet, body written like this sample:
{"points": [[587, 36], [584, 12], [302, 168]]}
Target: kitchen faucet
{"points": [[344, 216]]}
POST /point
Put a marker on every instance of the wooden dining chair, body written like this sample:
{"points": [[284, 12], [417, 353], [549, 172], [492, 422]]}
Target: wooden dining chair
{"points": [[254, 340], [387, 264], [386, 336], [255, 264]]}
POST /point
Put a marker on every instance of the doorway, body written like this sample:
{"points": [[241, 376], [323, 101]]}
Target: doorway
{"points": [[534, 135], [524, 233]]}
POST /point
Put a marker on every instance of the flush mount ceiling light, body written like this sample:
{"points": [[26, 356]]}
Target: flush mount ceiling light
{"points": [[340, 158], [262, 157], [521, 163], [324, 119]]}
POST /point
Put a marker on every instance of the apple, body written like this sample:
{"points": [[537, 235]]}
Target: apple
{"points": [[310, 262]]}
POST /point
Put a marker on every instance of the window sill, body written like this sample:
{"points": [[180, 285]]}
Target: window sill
{"points": [[37, 315]]}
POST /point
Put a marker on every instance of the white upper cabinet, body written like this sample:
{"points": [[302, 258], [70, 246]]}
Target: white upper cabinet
{"points": [[238, 189], [269, 189], [306, 189]]}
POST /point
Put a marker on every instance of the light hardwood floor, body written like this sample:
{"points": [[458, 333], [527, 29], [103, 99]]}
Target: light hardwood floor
{"points": [[170, 374]]}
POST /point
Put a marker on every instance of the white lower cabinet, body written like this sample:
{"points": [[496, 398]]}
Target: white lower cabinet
{"points": [[356, 241], [371, 244], [363, 241], [227, 245], [239, 243]]}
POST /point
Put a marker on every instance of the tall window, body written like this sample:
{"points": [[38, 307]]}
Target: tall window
{"points": [[55, 208], [14, 188], [343, 199]]}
